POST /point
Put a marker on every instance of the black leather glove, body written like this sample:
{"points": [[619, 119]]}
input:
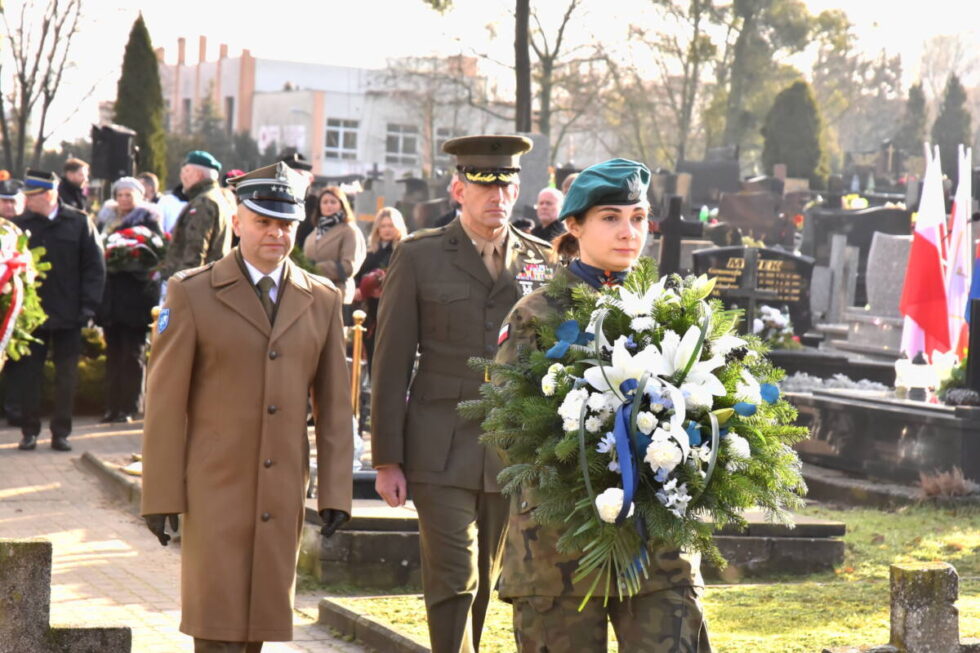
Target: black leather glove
{"points": [[157, 523], [332, 520]]}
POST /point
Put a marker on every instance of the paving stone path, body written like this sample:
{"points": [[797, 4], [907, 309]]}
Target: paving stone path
{"points": [[107, 568]]}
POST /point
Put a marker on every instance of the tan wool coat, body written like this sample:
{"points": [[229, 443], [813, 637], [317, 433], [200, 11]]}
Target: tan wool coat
{"points": [[338, 255], [225, 440]]}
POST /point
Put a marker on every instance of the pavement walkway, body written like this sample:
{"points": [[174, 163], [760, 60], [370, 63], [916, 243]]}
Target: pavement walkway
{"points": [[107, 568]]}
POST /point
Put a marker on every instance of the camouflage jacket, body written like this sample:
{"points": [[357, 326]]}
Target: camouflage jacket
{"points": [[532, 565], [202, 233]]}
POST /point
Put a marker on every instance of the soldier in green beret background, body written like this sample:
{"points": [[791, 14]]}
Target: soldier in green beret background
{"points": [[605, 213], [446, 292], [202, 233]]}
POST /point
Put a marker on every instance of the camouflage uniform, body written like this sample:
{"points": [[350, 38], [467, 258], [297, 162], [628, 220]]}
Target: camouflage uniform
{"points": [[665, 615], [202, 233]]}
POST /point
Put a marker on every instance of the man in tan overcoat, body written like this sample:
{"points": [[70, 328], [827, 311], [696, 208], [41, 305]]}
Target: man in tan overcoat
{"points": [[446, 293], [239, 346]]}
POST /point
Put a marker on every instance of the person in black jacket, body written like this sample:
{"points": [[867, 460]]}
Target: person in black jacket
{"points": [[130, 295], [71, 190], [388, 230], [70, 295]]}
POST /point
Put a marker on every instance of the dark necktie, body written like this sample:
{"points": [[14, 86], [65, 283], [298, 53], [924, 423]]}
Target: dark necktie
{"points": [[266, 284]]}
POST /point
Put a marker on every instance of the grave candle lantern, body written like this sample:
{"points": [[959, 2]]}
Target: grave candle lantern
{"points": [[920, 377]]}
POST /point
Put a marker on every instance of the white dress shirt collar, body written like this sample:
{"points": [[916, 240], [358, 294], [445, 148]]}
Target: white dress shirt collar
{"points": [[257, 274]]}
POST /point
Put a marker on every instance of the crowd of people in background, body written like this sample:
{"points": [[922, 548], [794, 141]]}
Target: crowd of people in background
{"points": [[194, 218]]}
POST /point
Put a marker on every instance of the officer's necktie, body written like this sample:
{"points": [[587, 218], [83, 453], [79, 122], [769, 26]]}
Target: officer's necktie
{"points": [[266, 284], [491, 259]]}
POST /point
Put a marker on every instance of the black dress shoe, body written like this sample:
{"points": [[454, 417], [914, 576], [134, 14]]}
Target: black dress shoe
{"points": [[121, 418], [108, 417], [27, 443], [60, 444]]}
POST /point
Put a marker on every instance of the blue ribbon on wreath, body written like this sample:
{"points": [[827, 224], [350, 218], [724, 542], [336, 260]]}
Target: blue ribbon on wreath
{"points": [[626, 447]]}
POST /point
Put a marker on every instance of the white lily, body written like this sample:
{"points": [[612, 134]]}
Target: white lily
{"points": [[677, 351], [623, 366], [748, 389], [637, 305], [726, 343]]}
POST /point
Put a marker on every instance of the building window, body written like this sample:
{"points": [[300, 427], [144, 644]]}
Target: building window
{"points": [[341, 139], [402, 144], [443, 134], [229, 113], [187, 117]]}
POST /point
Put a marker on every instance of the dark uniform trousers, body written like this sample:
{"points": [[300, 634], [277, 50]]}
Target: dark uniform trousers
{"points": [[125, 347], [461, 537], [27, 375]]}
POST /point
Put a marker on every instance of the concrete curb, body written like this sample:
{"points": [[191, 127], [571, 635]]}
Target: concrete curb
{"points": [[123, 487], [366, 631], [837, 487]]}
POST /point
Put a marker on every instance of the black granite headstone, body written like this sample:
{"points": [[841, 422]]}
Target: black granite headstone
{"points": [[709, 179], [747, 277]]}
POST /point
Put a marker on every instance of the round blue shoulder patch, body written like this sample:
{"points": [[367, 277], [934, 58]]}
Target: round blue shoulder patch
{"points": [[163, 321]]}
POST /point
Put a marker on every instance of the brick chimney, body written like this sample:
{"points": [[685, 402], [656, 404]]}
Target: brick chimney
{"points": [[159, 54], [223, 51], [181, 50], [202, 49]]}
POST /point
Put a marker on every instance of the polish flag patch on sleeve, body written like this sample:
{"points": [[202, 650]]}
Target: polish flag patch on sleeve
{"points": [[504, 334]]}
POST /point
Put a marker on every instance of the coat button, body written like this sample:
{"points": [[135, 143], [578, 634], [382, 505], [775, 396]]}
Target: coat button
{"points": [[266, 516], [273, 355], [268, 462], [271, 410]]}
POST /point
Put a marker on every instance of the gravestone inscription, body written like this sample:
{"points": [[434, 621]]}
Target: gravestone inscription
{"points": [[748, 277]]}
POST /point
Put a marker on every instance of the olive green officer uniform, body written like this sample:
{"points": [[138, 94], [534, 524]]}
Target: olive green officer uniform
{"points": [[664, 616], [225, 440], [441, 302], [202, 233]]}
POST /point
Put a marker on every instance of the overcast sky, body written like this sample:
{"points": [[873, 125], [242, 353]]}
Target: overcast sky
{"points": [[368, 32]]}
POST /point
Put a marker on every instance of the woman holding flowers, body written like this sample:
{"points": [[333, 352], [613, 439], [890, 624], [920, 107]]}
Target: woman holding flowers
{"points": [[605, 214], [134, 246]]}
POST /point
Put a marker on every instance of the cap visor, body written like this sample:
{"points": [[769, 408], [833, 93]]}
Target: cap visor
{"points": [[276, 209]]}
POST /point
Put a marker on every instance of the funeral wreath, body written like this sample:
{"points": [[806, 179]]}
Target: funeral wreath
{"points": [[20, 306], [641, 420]]}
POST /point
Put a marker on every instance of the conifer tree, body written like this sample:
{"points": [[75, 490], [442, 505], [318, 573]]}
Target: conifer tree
{"points": [[139, 100], [792, 135], [912, 132], [952, 126]]}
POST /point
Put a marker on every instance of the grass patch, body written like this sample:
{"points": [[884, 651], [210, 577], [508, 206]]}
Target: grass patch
{"points": [[846, 607]]}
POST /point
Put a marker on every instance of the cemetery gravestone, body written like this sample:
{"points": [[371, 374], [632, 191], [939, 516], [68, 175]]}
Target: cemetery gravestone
{"points": [[756, 214], [709, 179], [748, 277]]}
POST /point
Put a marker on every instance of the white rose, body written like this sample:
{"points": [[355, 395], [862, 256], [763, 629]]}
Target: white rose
{"points": [[663, 453], [645, 421], [610, 503], [697, 396], [548, 385], [593, 424]]}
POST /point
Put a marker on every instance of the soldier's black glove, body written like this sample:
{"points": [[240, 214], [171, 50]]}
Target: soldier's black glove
{"points": [[157, 523], [332, 520]]}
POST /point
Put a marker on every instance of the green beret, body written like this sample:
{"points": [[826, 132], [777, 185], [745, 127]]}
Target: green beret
{"points": [[202, 158], [275, 190], [616, 181]]}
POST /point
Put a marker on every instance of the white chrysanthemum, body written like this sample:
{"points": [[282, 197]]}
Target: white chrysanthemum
{"points": [[739, 450], [645, 421], [748, 389], [556, 368], [663, 454], [597, 401], [571, 406], [548, 385], [593, 424], [571, 424], [610, 503], [643, 324]]}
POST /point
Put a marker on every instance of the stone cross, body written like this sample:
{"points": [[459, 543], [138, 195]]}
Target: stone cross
{"points": [[673, 229], [25, 607]]}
